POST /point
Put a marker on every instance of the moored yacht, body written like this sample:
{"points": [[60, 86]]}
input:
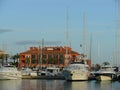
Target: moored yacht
{"points": [[9, 72], [50, 71], [78, 70], [29, 72], [106, 72]]}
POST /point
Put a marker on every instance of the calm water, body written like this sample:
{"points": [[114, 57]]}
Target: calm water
{"points": [[27, 84]]}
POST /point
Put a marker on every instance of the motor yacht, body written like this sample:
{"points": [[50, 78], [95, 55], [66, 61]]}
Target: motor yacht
{"points": [[106, 72], [9, 72], [76, 71]]}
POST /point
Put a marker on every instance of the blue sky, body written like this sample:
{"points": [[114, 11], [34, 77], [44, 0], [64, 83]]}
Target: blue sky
{"points": [[32, 20]]}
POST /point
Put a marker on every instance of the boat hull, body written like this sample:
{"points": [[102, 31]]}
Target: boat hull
{"points": [[74, 76], [103, 78], [9, 77]]}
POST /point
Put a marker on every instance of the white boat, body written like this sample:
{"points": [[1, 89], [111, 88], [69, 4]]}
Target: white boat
{"points": [[106, 72], [53, 71], [9, 72], [28, 72], [76, 71], [50, 71]]}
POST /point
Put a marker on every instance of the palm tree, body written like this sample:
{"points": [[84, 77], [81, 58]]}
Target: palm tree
{"points": [[106, 63], [28, 61], [17, 56], [15, 59], [4, 57]]}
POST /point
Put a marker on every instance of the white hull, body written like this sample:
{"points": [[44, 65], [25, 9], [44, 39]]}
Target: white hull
{"points": [[76, 71], [76, 75], [33, 73], [9, 76], [10, 72], [105, 73], [103, 78]]}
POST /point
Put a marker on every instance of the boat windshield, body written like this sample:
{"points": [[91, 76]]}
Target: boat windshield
{"points": [[106, 68], [75, 67]]}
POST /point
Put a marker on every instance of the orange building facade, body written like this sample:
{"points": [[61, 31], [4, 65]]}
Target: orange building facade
{"points": [[47, 56]]}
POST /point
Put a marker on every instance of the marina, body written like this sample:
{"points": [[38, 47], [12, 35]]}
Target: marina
{"points": [[59, 45]]}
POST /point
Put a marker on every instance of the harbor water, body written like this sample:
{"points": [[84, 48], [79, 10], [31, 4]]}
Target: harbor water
{"points": [[38, 84]]}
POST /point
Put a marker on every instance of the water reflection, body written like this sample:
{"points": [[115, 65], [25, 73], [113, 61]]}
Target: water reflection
{"points": [[10, 84], [42, 85], [103, 85], [76, 85], [27, 84]]}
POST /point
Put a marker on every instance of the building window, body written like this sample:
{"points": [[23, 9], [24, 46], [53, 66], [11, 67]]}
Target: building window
{"points": [[61, 59], [23, 61], [56, 58], [50, 59], [44, 56], [33, 59], [33, 56], [44, 59], [22, 56]]}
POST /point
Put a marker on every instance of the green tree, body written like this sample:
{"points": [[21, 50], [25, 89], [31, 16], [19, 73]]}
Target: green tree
{"points": [[4, 57], [106, 63], [15, 59], [51, 60], [62, 58], [97, 67], [28, 61]]}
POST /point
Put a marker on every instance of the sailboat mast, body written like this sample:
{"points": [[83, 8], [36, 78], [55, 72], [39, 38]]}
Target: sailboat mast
{"points": [[84, 39], [41, 52], [117, 36], [67, 28], [91, 46]]}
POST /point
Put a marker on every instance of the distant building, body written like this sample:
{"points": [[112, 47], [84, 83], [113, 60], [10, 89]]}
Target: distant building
{"points": [[3, 56], [46, 56]]}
